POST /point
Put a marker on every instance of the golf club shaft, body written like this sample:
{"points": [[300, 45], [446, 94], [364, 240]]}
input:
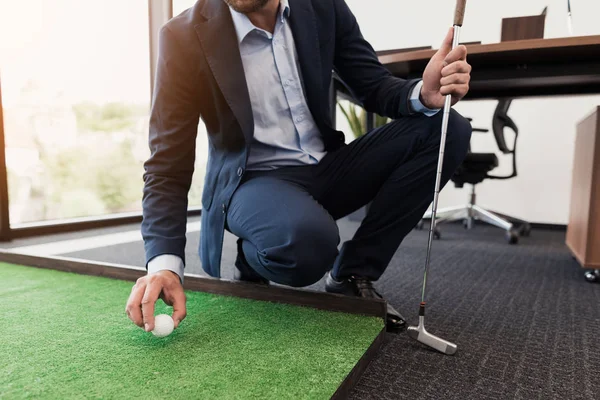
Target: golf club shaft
{"points": [[447, 107]]}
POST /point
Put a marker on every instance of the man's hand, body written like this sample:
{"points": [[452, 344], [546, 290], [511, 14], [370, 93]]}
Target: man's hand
{"points": [[447, 73], [145, 292]]}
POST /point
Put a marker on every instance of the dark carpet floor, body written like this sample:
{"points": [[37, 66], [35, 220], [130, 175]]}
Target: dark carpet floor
{"points": [[526, 322]]}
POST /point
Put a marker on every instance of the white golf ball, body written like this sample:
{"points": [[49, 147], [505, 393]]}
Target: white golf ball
{"points": [[163, 325]]}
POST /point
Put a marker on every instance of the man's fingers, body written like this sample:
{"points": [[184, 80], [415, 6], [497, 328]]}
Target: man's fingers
{"points": [[457, 67], [458, 54], [455, 79], [168, 301], [456, 90], [179, 310], [151, 294], [144, 294], [134, 304]]}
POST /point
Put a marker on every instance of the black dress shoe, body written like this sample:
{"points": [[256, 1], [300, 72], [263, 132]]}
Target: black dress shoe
{"points": [[243, 271], [362, 287]]}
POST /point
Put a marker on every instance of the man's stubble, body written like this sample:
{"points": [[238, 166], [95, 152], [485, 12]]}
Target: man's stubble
{"points": [[246, 6]]}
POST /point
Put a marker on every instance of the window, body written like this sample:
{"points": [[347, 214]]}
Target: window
{"points": [[76, 95]]}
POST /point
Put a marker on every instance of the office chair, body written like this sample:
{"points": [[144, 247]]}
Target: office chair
{"points": [[475, 169]]}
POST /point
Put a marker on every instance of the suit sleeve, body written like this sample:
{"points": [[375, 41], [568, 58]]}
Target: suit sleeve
{"points": [[168, 172], [357, 64]]}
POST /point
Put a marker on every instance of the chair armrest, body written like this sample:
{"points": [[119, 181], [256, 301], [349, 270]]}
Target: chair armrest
{"points": [[477, 129]]}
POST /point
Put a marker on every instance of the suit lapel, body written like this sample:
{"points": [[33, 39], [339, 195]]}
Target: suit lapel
{"points": [[304, 28], [219, 42]]}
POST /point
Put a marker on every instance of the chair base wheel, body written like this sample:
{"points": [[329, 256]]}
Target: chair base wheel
{"points": [[512, 236], [593, 276]]}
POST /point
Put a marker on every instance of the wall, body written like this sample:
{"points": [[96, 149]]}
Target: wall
{"points": [[541, 191]]}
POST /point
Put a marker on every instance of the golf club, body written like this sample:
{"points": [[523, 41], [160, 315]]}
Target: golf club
{"points": [[569, 18], [419, 333]]}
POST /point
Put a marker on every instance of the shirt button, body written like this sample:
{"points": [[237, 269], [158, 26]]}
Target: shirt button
{"points": [[224, 207], [240, 171], [299, 119]]}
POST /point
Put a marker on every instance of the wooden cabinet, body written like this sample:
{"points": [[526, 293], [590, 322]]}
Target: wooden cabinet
{"points": [[583, 232]]}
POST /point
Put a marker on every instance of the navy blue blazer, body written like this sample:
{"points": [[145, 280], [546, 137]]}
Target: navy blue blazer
{"points": [[200, 75]]}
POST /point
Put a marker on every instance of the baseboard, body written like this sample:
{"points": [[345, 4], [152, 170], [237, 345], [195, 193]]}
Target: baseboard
{"points": [[534, 225], [549, 227]]}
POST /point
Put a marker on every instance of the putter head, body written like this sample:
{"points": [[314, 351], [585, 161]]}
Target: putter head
{"points": [[421, 335], [413, 332]]}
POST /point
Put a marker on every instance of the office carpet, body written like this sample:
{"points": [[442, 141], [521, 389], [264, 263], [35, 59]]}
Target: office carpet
{"points": [[526, 323]]}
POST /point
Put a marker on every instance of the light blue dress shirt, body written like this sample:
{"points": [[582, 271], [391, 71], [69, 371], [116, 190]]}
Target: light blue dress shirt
{"points": [[285, 133]]}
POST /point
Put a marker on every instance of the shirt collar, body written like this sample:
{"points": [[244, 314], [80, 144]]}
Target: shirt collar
{"points": [[243, 25]]}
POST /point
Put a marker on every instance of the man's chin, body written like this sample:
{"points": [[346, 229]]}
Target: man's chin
{"points": [[246, 6]]}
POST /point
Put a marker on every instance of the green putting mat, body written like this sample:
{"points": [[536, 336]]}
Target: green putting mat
{"points": [[65, 336]]}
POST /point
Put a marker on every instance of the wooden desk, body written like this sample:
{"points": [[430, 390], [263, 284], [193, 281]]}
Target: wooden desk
{"points": [[538, 67], [583, 234]]}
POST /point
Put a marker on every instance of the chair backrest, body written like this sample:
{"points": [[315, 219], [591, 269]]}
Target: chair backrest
{"points": [[501, 120]]}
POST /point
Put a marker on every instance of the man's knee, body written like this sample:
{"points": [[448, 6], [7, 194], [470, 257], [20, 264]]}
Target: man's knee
{"points": [[307, 251], [459, 131]]}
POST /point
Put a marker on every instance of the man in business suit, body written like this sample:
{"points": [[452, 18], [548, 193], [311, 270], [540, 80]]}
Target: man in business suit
{"points": [[278, 177]]}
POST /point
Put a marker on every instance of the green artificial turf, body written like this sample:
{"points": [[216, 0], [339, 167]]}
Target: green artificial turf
{"points": [[67, 336]]}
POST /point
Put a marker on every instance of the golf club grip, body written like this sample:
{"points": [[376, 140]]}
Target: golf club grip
{"points": [[459, 14]]}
